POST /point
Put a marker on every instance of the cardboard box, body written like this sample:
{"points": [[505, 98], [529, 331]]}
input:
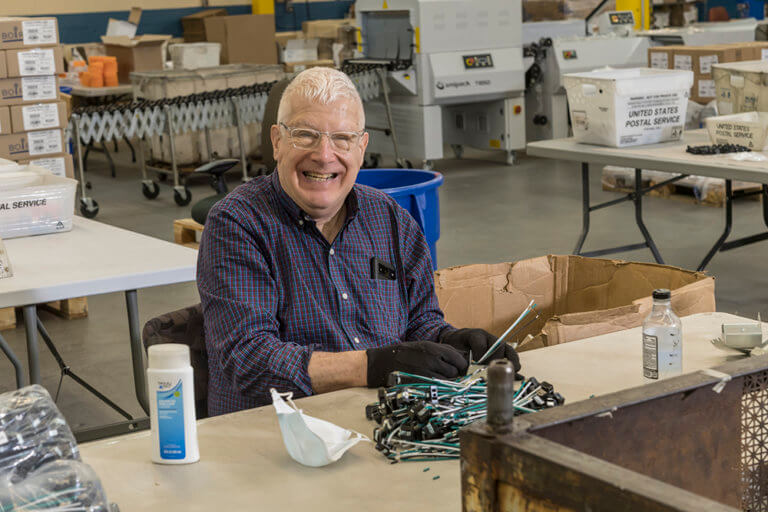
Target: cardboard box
{"points": [[60, 165], [141, 53], [741, 87], [248, 38], [324, 29], [5, 121], [576, 297], [21, 146], [297, 67], [195, 55], [3, 70], [125, 28], [41, 116], [194, 24], [299, 50], [33, 61], [543, 10], [29, 89], [28, 32]]}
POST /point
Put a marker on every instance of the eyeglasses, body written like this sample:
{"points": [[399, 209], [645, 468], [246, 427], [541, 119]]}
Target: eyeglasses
{"points": [[307, 138]]}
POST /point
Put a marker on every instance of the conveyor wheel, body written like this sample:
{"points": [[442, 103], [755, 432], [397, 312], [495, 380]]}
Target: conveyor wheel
{"points": [[150, 189], [89, 208], [182, 199], [458, 151], [427, 165]]}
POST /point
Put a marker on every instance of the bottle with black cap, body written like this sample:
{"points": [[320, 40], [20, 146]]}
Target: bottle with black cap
{"points": [[662, 339]]}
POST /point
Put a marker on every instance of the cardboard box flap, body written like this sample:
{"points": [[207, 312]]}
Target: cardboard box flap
{"points": [[131, 42]]}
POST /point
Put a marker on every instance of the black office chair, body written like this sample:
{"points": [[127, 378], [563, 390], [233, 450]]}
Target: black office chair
{"points": [[215, 170], [184, 326]]}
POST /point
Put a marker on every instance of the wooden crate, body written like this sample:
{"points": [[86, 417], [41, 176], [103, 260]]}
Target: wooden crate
{"points": [[185, 232], [69, 309]]}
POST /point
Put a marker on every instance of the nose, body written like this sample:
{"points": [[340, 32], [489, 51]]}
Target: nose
{"points": [[324, 150]]}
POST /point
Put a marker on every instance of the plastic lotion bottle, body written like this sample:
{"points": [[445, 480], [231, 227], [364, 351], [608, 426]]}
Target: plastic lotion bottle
{"points": [[172, 405], [662, 339]]}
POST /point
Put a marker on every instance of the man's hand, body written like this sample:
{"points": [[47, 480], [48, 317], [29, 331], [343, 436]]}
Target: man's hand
{"points": [[478, 342], [424, 358]]}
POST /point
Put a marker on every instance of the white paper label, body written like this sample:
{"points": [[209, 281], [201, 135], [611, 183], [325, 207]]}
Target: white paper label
{"points": [[40, 117], [38, 88], [764, 54], [57, 166], [707, 89], [37, 62], [3, 437], [45, 142], [684, 62], [660, 60], [651, 118], [705, 63], [39, 32]]}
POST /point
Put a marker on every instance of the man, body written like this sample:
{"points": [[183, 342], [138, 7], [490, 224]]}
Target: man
{"points": [[310, 283]]}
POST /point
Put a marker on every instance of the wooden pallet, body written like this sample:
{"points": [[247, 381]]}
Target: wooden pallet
{"points": [[185, 232], [715, 195], [69, 309]]}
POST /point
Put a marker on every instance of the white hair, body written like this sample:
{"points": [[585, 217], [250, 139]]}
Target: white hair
{"points": [[319, 85]]}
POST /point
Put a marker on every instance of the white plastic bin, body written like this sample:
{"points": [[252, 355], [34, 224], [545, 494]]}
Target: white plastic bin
{"points": [[748, 129], [35, 202], [628, 107], [195, 55]]}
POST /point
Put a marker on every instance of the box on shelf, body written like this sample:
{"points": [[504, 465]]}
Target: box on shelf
{"points": [[327, 32], [741, 87], [28, 32], [746, 129], [247, 38], [194, 24], [543, 10], [141, 53], [125, 28], [297, 67], [34, 61], [3, 70], [29, 89], [35, 202], [5, 121], [19, 146], [576, 297], [299, 50], [195, 55], [628, 107], [59, 165], [41, 116]]}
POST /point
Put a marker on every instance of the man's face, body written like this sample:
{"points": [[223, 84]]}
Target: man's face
{"points": [[319, 179]]}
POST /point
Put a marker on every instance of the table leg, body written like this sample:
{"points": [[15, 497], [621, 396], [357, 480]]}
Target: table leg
{"points": [[585, 208], [728, 224], [137, 349], [638, 200], [33, 353], [21, 379]]}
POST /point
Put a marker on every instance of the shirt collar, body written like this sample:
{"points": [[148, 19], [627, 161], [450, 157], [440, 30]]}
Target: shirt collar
{"points": [[299, 216]]}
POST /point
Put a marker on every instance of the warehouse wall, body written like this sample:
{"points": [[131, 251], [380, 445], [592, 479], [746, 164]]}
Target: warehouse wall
{"points": [[83, 21]]}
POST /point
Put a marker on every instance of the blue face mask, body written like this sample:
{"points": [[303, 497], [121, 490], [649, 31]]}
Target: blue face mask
{"points": [[311, 441]]}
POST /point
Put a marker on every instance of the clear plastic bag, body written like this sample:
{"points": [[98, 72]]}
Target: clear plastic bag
{"points": [[62, 485], [32, 433]]}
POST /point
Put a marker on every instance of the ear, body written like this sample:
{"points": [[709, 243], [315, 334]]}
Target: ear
{"points": [[363, 147], [274, 134]]}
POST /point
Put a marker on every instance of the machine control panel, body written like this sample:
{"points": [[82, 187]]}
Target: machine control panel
{"points": [[621, 18], [480, 61]]}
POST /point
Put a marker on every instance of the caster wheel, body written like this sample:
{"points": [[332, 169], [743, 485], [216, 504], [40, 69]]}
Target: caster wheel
{"points": [[150, 189], [88, 185], [512, 158], [458, 151], [89, 209], [427, 165], [182, 199], [408, 164], [162, 177]]}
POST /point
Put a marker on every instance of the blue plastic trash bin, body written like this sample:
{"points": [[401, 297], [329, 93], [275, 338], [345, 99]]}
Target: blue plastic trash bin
{"points": [[416, 191]]}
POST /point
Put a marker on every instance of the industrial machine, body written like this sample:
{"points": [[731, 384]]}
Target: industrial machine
{"points": [[455, 76], [697, 34], [617, 46]]}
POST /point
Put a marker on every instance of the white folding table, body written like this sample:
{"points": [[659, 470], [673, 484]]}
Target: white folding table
{"points": [[91, 259], [669, 157], [244, 465]]}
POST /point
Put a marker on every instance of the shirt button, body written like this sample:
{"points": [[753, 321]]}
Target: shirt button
{"points": [[301, 222], [344, 296], [357, 340], [331, 252]]}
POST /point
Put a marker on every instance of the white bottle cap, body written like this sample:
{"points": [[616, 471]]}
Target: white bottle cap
{"points": [[168, 356]]}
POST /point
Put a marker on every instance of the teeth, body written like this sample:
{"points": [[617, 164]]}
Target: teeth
{"points": [[319, 177]]}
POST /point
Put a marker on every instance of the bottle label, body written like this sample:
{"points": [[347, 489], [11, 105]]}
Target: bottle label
{"points": [[170, 421], [650, 356]]}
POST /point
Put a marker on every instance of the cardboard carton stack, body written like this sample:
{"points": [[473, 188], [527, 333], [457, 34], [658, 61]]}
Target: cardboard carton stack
{"points": [[32, 115], [700, 59], [337, 38], [247, 38]]}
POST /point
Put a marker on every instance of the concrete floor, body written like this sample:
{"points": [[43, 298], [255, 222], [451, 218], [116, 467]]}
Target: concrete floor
{"points": [[490, 212]]}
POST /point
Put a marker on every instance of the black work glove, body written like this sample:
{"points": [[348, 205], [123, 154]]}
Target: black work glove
{"points": [[478, 341], [424, 358]]}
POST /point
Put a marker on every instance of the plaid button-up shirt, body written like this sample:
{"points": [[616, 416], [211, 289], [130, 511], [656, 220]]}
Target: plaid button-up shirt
{"points": [[274, 290]]}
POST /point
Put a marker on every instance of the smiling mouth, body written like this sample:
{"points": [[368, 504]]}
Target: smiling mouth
{"points": [[320, 177]]}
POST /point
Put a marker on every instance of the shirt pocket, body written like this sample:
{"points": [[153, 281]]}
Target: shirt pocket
{"points": [[390, 308]]}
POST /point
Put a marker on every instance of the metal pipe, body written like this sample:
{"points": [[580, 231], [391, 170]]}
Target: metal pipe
{"points": [[76, 119], [501, 390]]}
